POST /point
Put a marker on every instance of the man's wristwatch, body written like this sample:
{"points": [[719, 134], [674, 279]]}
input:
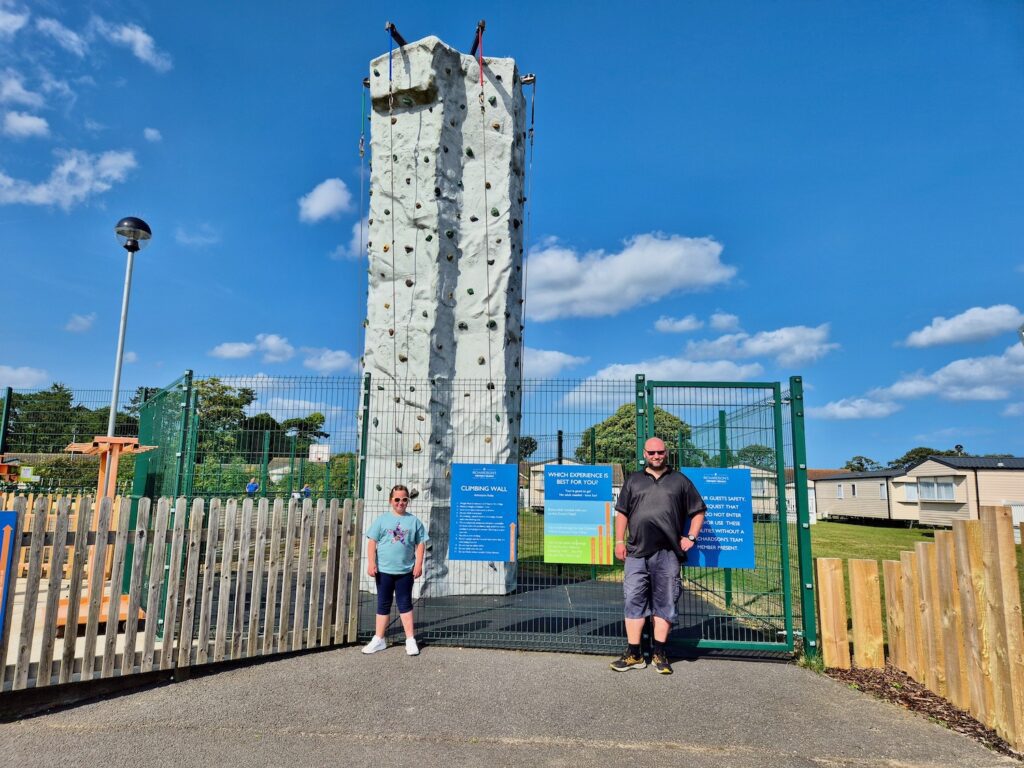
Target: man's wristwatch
{"points": [[692, 538]]}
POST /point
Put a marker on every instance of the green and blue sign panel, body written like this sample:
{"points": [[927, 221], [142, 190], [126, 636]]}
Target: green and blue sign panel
{"points": [[727, 538], [8, 530], [578, 516], [484, 512]]}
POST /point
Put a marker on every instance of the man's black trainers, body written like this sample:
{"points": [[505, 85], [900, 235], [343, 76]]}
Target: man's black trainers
{"points": [[660, 662], [628, 661]]}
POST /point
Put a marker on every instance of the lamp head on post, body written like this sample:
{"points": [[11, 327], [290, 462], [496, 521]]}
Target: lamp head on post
{"points": [[133, 233]]}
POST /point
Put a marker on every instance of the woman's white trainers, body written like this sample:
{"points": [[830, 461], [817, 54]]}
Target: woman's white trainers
{"points": [[376, 644], [410, 646]]}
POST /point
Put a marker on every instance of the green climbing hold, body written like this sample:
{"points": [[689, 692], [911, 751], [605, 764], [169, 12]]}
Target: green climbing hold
{"points": [[376, 421], [491, 324], [497, 417], [469, 152], [474, 218], [406, 101], [463, 326], [493, 101], [376, 74], [470, 291], [495, 212], [449, 233], [428, 238]]}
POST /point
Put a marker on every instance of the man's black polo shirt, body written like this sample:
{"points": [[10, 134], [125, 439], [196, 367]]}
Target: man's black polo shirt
{"points": [[658, 510]]}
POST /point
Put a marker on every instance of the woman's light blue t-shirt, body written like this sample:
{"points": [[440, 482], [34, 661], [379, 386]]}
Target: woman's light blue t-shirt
{"points": [[397, 537]]}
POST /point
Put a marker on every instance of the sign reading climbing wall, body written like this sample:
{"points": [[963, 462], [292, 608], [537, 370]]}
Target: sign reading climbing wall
{"points": [[727, 538], [8, 529], [578, 516], [484, 510]]}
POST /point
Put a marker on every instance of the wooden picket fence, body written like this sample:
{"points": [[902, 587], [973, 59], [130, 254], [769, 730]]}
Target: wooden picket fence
{"points": [[952, 613], [50, 511], [230, 580]]}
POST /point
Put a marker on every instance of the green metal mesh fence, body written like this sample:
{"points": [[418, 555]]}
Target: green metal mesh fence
{"points": [[37, 425]]}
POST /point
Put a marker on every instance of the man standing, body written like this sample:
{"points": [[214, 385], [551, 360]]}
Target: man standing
{"points": [[664, 513]]}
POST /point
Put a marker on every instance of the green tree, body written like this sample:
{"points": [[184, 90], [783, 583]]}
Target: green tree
{"points": [[861, 464], [527, 447], [308, 429], [915, 455], [616, 439], [221, 414], [755, 455]]}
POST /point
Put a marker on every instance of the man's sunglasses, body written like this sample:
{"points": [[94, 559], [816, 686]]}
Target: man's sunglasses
{"points": [[654, 453]]}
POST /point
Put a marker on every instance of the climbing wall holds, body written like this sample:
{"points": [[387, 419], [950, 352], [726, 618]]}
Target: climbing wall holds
{"points": [[469, 152]]}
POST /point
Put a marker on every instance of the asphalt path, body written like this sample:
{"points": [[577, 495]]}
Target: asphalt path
{"points": [[455, 707]]}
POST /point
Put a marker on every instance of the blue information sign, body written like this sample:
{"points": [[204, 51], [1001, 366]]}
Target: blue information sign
{"points": [[8, 530], [484, 511], [727, 538], [578, 514]]}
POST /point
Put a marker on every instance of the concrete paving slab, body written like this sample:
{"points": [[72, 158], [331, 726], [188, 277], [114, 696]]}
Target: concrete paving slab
{"points": [[452, 707]]}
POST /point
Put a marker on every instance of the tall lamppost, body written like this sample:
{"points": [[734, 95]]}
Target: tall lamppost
{"points": [[134, 234]]}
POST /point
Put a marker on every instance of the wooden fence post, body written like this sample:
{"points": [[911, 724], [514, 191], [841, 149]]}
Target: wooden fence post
{"points": [[1001, 717], [971, 578], [952, 621], [866, 606], [832, 610], [1001, 520], [935, 669], [894, 616], [916, 654]]}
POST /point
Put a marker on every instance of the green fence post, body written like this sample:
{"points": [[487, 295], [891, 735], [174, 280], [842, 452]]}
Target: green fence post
{"points": [[350, 487], [364, 437], [593, 445], [265, 464], [302, 464], [291, 467], [680, 440], [780, 470], [641, 419], [5, 418], [803, 518], [723, 461], [186, 401]]}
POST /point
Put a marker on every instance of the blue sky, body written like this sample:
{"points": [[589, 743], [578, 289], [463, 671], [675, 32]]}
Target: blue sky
{"points": [[751, 190]]}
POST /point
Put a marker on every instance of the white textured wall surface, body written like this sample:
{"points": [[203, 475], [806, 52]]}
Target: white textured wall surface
{"points": [[444, 311]]}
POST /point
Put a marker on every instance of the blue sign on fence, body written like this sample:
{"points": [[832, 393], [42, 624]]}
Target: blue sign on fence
{"points": [[727, 538], [8, 530], [484, 511]]}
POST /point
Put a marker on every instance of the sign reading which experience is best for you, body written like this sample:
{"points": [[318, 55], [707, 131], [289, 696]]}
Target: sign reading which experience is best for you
{"points": [[483, 512], [578, 516], [727, 538]]}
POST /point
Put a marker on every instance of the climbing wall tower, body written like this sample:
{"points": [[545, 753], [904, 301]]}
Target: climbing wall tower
{"points": [[444, 317]]}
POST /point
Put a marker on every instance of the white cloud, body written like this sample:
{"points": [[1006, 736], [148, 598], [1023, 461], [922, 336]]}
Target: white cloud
{"points": [[76, 177], [131, 357], [564, 283], [723, 321], [789, 346], [132, 36], [22, 377], [21, 125], [356, 248], [975, 324], [13, 91], [987, 378], [11, 22], [855, 408], [80, 323], [679, 369], [94, 125], [275, 349], [546, 363], [52, 84], [991, 377], [330, 360], [329, 199], [201, 236], [67, 39], [233, 350], [152, 135], [667, 324]]}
